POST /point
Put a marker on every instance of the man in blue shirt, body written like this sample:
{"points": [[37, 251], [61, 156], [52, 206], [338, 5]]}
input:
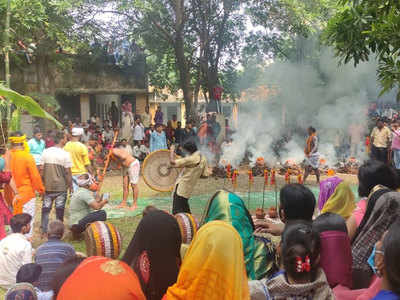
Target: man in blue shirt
{"points": [[158, 139], [36, 145], [52, 254]]}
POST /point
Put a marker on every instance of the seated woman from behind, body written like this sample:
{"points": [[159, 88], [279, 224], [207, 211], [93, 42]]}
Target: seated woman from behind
{"points": [[387, 263], [213, 268], [301, 277], [378, 182], [335, 256]]}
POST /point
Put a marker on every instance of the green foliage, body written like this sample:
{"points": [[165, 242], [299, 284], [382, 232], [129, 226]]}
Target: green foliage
{"points": [[285, 23], [27, 104], [368, 27]]}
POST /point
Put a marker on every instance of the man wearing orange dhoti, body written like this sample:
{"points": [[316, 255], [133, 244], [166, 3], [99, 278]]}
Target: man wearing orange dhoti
{"points": [[26, 177]]}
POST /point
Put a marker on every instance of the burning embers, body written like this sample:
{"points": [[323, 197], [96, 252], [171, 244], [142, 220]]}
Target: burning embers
{"points": [[349, 167], [289, 169]]}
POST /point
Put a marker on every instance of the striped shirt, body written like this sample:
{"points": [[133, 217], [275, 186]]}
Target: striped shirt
{"points": [[50, 256]]}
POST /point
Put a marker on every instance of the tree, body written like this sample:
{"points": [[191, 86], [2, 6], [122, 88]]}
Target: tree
{"points": [[202, 36], [368, 27], [285, 24]]}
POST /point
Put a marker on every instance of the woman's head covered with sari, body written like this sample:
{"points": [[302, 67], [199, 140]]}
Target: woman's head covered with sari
{"points": [[326, 189], [101, 278], [335, 256], [341, 201], [376, 181], [154, 253], [213, 268], [230, 208]]}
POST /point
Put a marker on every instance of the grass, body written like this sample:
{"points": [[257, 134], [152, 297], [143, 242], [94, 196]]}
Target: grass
{"points": [[127, 224]]}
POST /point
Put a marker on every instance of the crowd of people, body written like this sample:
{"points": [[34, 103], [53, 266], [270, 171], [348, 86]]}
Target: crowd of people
{"points": [[330, 248]]}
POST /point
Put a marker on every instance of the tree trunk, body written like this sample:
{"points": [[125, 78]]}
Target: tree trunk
{"points": [[184, 76], [7, 57]]}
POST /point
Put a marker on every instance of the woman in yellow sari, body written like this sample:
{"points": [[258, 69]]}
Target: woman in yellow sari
{"points": [[339, 201], [213, 268]]}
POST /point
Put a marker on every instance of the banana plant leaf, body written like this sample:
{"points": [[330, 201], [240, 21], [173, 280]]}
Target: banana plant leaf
{"points": [[26, 103]]}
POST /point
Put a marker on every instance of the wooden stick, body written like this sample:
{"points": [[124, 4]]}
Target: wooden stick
{"points": [[108, 158], [263, 196]]}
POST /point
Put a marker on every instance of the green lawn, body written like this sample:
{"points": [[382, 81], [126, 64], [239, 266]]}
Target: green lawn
{"points": [[126, 222]]}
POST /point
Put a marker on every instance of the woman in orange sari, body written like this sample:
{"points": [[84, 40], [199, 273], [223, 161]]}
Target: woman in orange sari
{"points": [[213, 268], [102, 278]]}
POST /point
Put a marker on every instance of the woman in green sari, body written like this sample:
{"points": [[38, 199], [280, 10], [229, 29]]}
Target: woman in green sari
{"points": [[259, 253]]}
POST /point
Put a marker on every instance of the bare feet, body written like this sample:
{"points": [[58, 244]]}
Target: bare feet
{"points": [[122, 205], [133, 207]]}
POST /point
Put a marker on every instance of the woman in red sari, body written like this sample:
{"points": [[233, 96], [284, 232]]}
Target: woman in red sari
{"points": [[5, 213]]}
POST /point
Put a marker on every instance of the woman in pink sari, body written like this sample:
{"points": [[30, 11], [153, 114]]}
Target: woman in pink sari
{"points": [[335, 255], [5, 214]]}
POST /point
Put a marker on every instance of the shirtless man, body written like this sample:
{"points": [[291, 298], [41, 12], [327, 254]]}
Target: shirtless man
{"points": [[130, 173]]}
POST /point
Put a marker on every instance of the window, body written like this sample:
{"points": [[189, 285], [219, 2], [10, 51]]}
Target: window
{"points": [[172, 110]]}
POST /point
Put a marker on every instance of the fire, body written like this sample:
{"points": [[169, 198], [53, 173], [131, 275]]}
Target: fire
{"points": [[331, 172], [260, 161]]}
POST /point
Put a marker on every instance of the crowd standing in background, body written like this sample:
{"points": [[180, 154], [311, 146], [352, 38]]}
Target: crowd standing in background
{"points": [[333, 248]]}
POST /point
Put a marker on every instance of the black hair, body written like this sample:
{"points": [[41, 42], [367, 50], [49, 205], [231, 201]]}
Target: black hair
{"points": [[59, 136], [299, 240], [63, 272], [36, 130], [190, 146], [329, 222], [312, 129], [391, 248], [123, 140], [297, 202], [20, 220], [158, 125], [148, 209], [374, 172], [16, 133], [29, 273]]}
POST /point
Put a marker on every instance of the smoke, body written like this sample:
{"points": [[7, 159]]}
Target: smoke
{"points": [[333, 99]]}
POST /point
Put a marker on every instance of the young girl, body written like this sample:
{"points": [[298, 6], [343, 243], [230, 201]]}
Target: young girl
{"points": [[301, 277]]}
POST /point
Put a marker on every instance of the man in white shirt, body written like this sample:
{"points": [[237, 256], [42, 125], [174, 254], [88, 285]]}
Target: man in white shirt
{"points": [[146, 118], [108, 135], [55, 167], [15, 250], [125, 146], [138, 132]]}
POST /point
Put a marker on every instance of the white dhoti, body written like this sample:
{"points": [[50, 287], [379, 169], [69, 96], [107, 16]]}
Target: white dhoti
{"points": [[126, 130], [313, 160], [29, 208]]}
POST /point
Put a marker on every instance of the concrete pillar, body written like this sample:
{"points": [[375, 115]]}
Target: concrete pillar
{"points": [[85, 107]]}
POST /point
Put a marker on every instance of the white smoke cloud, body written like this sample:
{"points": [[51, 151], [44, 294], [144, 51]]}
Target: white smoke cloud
{"points": [[330, 105]]}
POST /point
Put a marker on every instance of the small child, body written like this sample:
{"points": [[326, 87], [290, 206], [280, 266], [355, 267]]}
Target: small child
{"points": [[301, 277], [30, 273]]}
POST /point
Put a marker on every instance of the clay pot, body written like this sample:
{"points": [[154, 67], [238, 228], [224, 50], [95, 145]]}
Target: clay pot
{"points": [[260, 214], [272, 213]]}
